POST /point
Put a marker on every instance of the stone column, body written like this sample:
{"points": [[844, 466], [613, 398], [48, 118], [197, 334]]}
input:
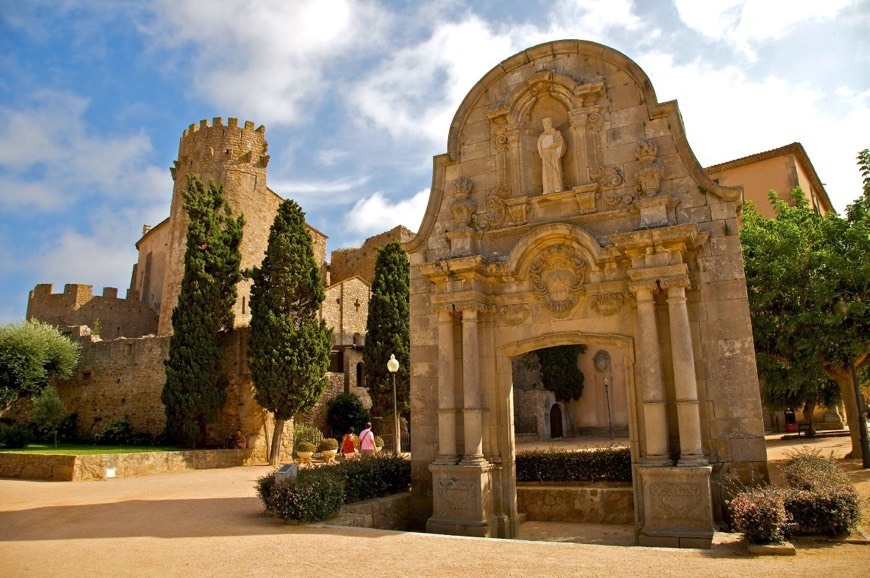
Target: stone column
{"points": [[471, 410], [446, 389], [685, 384], [650, 369]]}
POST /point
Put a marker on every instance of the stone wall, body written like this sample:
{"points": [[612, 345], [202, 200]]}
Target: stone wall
{"points": [[77, 305], [346, 309], [63, 468], [346, 263], [118, 380], [597, 503]]}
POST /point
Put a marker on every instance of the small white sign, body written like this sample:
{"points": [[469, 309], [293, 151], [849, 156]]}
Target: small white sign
{"points": [[110, 473]]}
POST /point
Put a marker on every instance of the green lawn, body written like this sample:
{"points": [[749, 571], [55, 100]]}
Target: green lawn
{"points": [[87, 449]]}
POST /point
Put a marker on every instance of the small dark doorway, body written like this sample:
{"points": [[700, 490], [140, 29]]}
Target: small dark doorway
{"points": [[555, 421]]}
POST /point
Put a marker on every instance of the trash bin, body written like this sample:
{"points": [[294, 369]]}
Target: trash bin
{"points": [[791, 425]]}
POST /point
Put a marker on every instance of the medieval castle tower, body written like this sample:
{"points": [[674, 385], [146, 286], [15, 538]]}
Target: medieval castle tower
{"points": [[121, 374]]}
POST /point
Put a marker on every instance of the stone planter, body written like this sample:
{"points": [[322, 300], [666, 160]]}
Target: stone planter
{"points": [[328, 455], [304, 457]]}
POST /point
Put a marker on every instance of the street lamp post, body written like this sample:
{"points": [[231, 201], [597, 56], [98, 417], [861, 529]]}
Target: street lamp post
{"points": [[607, 399], [393, 367], [842, 308]]}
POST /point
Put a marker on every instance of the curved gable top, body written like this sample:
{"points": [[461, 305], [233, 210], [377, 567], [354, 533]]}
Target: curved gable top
{"points": [[573, 74]]}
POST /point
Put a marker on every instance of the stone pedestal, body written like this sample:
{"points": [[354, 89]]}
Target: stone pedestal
{"points": [[462, 502], [677, 507]]}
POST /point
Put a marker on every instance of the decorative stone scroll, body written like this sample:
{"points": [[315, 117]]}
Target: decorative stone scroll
{"points": [[557, 277], [607, 304], [514, 314]]}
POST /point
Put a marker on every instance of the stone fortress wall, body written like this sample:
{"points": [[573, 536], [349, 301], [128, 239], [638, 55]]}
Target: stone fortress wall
{"points": [[77, 305], [121, 375], [345, 263]]}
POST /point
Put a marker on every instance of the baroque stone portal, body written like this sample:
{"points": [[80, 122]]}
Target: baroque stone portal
{"points": [[605, 232]]}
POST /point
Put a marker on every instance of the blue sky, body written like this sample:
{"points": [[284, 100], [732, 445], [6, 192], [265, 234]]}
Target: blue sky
{"points": [[357, 96]]}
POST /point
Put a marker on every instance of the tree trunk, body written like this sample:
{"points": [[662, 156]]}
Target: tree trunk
{"points": [[843, 377], [809, 410], [275, 448]]}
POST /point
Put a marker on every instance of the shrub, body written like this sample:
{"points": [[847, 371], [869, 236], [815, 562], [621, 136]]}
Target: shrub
{"points": [[379, 441], [304, 432], [821, 498], [328, 444], [366, 479], [120, 433], [305, 447], [760, 515], [14, 436], [318, 494], [308, 498], [808, 469], [611, 464], [832, 510]]}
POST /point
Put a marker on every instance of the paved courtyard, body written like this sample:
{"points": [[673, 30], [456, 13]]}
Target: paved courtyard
{"points": [[210, 523]]}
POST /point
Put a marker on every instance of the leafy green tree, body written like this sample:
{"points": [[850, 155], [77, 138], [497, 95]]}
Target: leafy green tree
{"points": [[388, 330], [195, 389], [560, 372], [289, 346], [346, 410], [798, 268], [31, 354], [48, 411]]}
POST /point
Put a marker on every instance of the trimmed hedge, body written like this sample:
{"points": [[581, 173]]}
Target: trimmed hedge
{"points": [[318, 493], [611, 464]]}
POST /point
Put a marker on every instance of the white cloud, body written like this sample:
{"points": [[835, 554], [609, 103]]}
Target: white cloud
{"points": [[414, 93], [729, 115], [49, 158], [747, 23], [376, 213], [266, 59]]}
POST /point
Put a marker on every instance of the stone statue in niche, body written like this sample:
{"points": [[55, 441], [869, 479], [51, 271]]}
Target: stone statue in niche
{"points": [[551, 147]]}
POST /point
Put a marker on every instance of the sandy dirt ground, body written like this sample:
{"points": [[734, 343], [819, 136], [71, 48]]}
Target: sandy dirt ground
{"points": [[210, 523]]}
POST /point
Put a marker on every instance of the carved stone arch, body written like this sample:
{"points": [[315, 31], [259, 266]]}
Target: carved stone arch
{"points": [[539, 238], [557, 85]]}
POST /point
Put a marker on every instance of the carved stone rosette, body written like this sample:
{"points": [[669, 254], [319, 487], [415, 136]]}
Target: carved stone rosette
{"points": [[557, 278], [607, 304], [649, 174]]}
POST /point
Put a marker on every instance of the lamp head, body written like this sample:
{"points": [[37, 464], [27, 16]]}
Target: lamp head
{"points": [[393, 364]]}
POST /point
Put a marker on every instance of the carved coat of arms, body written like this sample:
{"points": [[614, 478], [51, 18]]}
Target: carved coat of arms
{"points": [[557, 277]]}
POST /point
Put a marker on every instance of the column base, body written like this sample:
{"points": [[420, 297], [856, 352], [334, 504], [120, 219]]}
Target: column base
{"points": [[692, 461], [677, 507], [462, 502], [657, 461]]}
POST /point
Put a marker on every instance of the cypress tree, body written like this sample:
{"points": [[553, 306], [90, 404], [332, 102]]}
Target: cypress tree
{"points": [[289, 346], [195, 390], [388, 330]]}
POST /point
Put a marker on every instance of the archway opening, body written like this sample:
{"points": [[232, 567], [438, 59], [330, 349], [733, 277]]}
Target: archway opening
{"points": [[591, 417]]}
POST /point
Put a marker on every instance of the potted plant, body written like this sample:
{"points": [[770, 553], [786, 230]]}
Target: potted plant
{"points": [[328, 447], [304, 451]]}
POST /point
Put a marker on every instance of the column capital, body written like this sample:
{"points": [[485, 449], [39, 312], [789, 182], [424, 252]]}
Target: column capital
{"points": [[643, 288], [675, 285]]}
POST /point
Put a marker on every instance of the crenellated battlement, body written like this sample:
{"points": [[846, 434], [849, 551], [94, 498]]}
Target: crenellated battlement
{"points": [[207, 146], [78, 305]]}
